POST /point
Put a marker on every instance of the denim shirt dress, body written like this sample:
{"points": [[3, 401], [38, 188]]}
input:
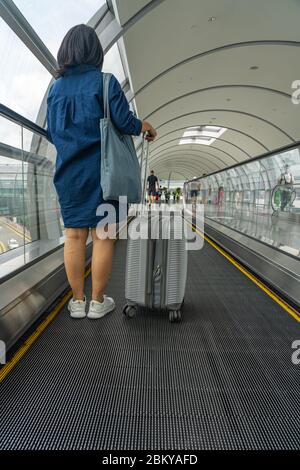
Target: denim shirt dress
{"points": [[75, 107]]}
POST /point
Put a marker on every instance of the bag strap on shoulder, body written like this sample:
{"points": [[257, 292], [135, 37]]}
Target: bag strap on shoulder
{"points": [[106, 80]]}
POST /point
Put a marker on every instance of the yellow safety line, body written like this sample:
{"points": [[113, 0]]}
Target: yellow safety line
{"points": [[4, 371], [290, 310], [2, 246], [36, 333]]}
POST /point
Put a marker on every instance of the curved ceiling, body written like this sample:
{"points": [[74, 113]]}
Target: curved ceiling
{"points": [[235, 71]]}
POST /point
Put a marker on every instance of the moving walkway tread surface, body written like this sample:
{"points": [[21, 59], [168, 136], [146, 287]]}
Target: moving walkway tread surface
{"points": [[221, 379]]}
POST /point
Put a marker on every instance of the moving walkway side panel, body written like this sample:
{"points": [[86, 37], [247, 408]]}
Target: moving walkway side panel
{"points": [[25, 296], [279, 270]]}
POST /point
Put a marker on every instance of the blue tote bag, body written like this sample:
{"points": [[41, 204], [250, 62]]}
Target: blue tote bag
{"points": [[120, 169]]}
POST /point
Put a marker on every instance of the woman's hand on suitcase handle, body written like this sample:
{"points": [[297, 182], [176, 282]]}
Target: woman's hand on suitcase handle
{"points": [[149, 130]]}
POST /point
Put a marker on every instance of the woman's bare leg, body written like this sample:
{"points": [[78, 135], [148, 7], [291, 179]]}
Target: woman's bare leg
{"points": [[102, 257], [74, 256]]}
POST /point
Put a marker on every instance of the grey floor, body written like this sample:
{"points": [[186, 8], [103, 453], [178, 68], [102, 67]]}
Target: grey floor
{"points": [[221, 379]]}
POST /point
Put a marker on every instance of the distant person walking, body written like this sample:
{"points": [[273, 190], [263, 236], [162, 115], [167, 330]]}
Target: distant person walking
{"points": [[221, 194], [194, 187], [152, 181], [287, 180], [236, 198], [209, 194]]}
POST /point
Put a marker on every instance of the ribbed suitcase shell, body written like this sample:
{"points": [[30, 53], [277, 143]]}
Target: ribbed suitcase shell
{"points": [[166, 289]]}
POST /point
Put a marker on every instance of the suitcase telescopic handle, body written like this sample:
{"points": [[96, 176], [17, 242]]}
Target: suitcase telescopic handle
{"points": [[145, 151]]}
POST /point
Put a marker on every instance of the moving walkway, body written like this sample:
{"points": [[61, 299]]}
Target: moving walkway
{"points": [[223, 378]]}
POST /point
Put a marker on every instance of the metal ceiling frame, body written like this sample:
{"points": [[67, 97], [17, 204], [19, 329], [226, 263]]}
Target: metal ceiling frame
{"points": [[243, 113], [195, 156], [210, 146], [18, 23], [218, 125], [103, 21], [198, 159], [164, 172], [193, 168], [217, 139], [110, 31], [115, 31], [176, 171], [192, 152], [211, 124], [218, 87], [25, 32], [195, 148], [265, 42]]}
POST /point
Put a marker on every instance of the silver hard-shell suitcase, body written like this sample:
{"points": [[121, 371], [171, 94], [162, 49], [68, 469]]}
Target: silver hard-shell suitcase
{"points": [[156, 266]]}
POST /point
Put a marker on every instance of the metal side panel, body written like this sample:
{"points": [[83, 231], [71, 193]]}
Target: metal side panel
{"points": [[24, 297], [27, 295], [278, 269]]}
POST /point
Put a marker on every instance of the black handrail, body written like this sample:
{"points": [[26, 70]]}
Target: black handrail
{"points": [[249, 160], [21, 120]]}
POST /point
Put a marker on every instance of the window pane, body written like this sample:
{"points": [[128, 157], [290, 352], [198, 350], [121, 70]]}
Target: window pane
{"points": [[12, 228], [30, 219], [113, 63], [23, 80], [51, 19], [260, 199], [10, 133]]}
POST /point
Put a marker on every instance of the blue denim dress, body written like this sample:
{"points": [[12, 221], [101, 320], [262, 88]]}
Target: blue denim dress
{"points": [[75, 107]]}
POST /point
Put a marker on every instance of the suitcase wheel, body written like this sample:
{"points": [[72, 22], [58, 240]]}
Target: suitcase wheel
{"points": [[129, 311], [174, 316]]}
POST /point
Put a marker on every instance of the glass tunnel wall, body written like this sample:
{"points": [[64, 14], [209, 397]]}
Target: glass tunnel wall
{"points": [[30, 221], [260, 199]]}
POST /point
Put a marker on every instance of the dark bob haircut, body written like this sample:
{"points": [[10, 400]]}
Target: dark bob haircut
{"points": [[80, 45]]}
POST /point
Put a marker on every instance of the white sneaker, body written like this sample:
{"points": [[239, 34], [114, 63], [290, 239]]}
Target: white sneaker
{"points": [[99, 309], [77, 308]]}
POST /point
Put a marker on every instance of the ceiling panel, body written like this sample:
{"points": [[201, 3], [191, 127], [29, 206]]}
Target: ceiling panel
{"points": [[263, 132], [177, 30], [235, 71], [231, 136], [226, 68], [128, 8]]}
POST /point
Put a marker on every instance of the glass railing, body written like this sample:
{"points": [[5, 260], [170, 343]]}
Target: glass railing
{"points": [[30, 220], [260, 198]]}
